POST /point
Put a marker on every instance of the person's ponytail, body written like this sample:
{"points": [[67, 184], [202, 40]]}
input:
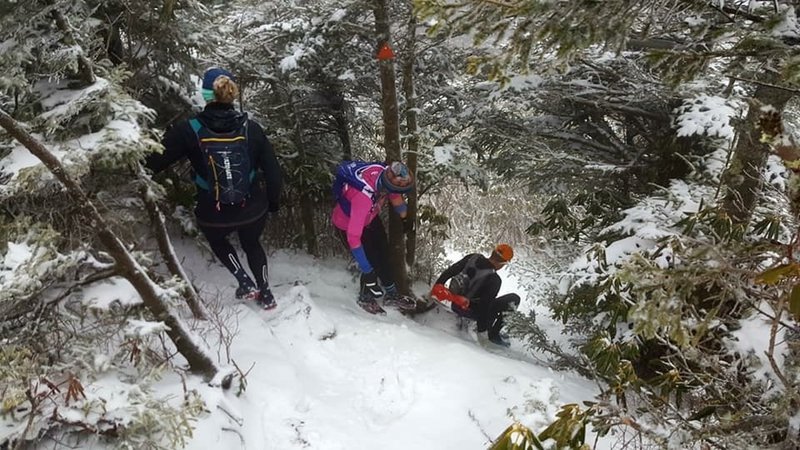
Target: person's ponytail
{"points": [[225, 89]]}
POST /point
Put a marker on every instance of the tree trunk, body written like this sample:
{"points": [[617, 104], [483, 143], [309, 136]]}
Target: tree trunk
{"points": [[343, 132], [391, 140], [199, 361], [306, 202], [412, 130], [168, 254], [339, 115], [742, 179]]}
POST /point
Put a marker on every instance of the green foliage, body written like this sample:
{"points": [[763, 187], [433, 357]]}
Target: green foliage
{"points": [[37, 257], [530, 30], [558, 217], [794, 302], [549, 35], [54, 343], [579, 218], [679, 317], [791, 70], [435, 223], [658, 321], [569, 428], [608, 355], [517, 437], [769, 227], [158, 425], [568, 431], [719, 225], [782, 274], [16, 363]]}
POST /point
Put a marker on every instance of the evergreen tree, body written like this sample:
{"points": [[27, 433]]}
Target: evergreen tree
{"points": [[72, 139]]}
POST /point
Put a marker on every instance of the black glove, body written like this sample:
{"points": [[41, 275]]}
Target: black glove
{"points": [[369, 282], [409, 225]]}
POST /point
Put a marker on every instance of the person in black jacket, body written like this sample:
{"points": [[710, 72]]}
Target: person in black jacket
{"points": [[473, 289], [226, 150]]}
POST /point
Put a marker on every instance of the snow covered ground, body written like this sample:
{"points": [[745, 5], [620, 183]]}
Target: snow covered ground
{"points": [[379, 382]]}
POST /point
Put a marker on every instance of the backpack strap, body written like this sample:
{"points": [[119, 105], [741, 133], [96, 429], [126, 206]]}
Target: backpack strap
{"points": [[196, 127], [367, 190]]}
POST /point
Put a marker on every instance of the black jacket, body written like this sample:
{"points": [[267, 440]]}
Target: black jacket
{"points": [[483, 295], [489, 285], [180, 141]]}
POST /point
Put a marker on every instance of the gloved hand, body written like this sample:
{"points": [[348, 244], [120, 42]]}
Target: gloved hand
{"points": [[409, 225], [461, 301], [443, 295], [440, 292], [369, 281]]}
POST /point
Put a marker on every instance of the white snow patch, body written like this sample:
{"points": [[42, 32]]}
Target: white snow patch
{"points": [[103, 294], [753, 339], [142, 328], [705, 114]]}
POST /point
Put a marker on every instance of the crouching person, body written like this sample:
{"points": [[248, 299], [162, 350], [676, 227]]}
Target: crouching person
{"points": [[473, 289]]}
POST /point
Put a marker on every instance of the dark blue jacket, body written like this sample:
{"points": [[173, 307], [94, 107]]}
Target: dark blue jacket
{"points": [[180, 141]]}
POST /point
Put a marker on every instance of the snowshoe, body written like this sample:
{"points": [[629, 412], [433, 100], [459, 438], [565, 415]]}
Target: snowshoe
{"points": [[424, 304], [404, 303], [370, 305], [266, 300], [246, 292]]}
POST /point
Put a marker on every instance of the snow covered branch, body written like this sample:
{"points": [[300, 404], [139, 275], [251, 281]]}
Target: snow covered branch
{"points": [[199, 360]]}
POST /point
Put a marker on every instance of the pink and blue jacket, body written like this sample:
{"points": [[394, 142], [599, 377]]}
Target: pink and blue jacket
{"points": [[364, 207]]}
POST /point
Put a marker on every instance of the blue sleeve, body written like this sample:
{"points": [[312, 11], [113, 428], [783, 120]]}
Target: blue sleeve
{"points": [[401, 208], [361, 259]]}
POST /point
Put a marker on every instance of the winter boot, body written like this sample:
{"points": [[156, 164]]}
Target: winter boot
{"points": [[265, 299], [500, 339], [491, 341], [368, 303], [246, 291]]}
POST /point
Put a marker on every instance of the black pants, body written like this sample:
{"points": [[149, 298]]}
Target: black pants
{"points": [[490, 315], [376, 247], [249, 238]]}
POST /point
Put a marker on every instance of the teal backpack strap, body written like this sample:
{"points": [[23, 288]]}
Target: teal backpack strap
{"points": [[201, 183], [198, 180], [196, 125]]}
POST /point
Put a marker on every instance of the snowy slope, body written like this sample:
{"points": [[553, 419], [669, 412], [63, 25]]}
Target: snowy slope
{"points": [[380, 382]]}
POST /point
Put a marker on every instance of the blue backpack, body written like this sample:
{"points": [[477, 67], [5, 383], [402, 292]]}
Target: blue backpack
{"points": [[350, 173], [227, 158]]}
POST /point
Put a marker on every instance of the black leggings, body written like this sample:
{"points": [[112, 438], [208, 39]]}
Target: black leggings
{"points": [[490, 315], [376, 247], [249, 239]]}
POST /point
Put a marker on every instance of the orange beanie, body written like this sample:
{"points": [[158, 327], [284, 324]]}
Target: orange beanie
{"points": [[504, 251]]}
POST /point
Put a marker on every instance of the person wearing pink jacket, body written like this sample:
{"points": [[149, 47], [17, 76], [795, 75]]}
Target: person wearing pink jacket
{"points": [[361, 190]]}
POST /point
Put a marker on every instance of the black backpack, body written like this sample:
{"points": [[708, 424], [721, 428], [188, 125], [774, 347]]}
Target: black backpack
{"points": [[467, 282], [227, 158]]}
